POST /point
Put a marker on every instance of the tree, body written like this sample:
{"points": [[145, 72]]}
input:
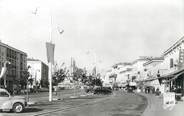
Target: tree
{"points": [[79, 74], [59, 76], [97, 82], [25, 78]]}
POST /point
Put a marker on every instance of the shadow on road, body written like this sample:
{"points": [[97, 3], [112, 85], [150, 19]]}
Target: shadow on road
{"points": [[29, 110]]}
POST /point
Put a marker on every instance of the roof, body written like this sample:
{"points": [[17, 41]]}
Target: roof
{"points": [[7, 46], [176, 44], [157, 59], [32, 59], [122, 64], [142, 58]]}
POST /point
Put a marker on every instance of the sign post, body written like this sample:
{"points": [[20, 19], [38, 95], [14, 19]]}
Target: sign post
{"points": [[169, 100]]}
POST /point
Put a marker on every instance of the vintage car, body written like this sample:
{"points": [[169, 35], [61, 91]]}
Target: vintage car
{"points": [[102, 90], [14, 103]]}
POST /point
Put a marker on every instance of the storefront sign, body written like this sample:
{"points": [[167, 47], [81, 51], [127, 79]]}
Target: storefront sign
{"points": [[181, 58], [168, 100]]}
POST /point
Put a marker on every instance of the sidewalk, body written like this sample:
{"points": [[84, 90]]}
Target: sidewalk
{"points": [[155, 107]]}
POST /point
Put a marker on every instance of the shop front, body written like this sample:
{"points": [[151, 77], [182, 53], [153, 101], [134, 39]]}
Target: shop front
{"points": [[174, 82]]}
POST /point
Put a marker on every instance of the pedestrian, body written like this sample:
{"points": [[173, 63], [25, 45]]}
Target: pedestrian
{"points": [[55, 90]]}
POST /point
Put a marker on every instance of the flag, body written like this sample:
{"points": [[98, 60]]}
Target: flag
{"points": [[50, 52]]}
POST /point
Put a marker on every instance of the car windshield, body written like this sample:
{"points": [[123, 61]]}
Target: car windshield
{"points": [[4, 94]]}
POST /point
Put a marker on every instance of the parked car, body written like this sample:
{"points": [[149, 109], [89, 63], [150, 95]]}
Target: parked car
{"points": [[15, 103], [103, 90]]}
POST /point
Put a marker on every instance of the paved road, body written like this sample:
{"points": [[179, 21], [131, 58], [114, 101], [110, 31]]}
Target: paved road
{"points": [[118, 104], [115, 105]]}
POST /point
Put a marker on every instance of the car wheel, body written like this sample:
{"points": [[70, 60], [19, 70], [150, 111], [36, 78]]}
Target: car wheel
{"points": [[18, 107]]}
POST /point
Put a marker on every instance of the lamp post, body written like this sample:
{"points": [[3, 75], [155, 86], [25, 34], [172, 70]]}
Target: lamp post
{"points": [[50, 55]]}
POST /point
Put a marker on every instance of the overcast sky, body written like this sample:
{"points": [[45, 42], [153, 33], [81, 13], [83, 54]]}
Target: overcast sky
{"points": [[111, 30]]}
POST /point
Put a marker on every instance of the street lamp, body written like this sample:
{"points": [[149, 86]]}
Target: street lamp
{"points": [[50, 50], [50, 55]]}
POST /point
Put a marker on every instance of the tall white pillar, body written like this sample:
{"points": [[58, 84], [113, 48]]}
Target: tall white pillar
{"points": [[50, 81]]}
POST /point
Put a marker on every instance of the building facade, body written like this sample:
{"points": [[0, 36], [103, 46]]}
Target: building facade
{"points": [[118, 74], [137, 72], [123, 72], [152, 69], [169, 73], [173, 76], [15, 70], [38, 73]]}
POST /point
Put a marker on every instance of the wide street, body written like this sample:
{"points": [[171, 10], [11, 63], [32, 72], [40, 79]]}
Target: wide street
{"points": [[117, 104]]}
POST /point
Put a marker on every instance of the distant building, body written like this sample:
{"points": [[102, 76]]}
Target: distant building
{"points": [[123, 72], [38, 72], [152, 68], [15, 71], [119, 74], [138, 68]]}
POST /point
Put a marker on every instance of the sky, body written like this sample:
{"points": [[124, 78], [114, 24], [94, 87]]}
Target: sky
{"points": [[96, 32]]}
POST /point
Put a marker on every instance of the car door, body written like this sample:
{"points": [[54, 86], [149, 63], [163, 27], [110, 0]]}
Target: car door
{"points": [[4, 100]]}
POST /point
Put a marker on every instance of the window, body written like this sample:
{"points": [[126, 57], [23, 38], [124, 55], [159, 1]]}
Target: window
{"points": [[4, 94], [171, 63]]}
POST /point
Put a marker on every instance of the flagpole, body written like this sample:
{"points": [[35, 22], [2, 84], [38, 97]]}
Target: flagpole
{"points": [[50, 63]]}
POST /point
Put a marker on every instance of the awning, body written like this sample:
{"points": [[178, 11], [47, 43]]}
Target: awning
{"points": [[175, 77], [172, 74], [147, 80], [150, 79]]}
